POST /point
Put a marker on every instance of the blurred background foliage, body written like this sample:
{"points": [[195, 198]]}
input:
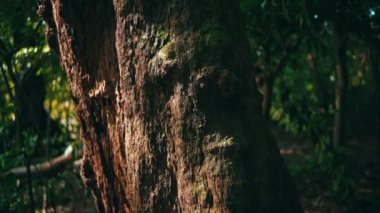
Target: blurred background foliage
{"points": [[317, 67], [37, 118], [316, 64]]}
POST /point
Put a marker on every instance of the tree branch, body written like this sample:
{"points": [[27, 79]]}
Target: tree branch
{"points": [[53, 165]]}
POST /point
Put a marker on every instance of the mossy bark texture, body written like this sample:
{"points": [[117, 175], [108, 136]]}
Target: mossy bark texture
{"points": [[168, 107]]}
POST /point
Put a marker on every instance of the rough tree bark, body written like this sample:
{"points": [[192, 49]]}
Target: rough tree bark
{"points": [[340, 84], [168, 107]]}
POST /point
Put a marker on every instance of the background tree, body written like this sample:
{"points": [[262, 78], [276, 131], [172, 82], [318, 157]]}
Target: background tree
{"points": [[373, 33], [35, 109], [342, 19], [303, 95], [274, 29]]}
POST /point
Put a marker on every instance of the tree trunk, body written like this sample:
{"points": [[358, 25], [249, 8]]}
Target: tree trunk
{"points": [[30, 96], [168, 108], [319, 86], [374, 53], [340, 85], [268, 96]]}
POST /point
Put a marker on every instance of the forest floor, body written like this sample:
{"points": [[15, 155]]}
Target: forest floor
{"points": [[359, 190]]}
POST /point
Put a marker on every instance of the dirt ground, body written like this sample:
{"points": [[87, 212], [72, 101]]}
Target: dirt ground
{"points": [[360, 191]]}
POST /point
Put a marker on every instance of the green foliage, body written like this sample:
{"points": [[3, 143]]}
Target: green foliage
{"points": [[293, 45], [295, 103], [332, 161], [27, 65], [274, 28]]}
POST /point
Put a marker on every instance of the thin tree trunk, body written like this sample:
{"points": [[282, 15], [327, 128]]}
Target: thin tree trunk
{"points": [[267, 97], [318, 83], [374, 53], [340, 86], [168, 108]]}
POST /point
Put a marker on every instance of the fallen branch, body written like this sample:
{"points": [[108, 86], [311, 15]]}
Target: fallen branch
{"points": [[54, 164]]}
